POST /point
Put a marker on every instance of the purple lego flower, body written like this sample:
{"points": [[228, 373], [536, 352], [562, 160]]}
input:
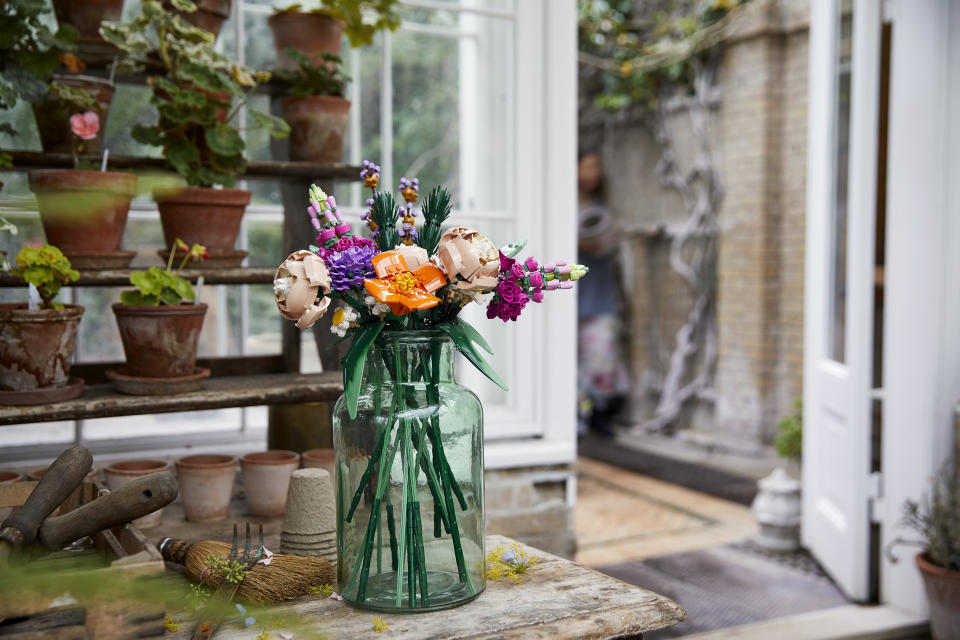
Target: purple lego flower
{"points": [[348, 269]]}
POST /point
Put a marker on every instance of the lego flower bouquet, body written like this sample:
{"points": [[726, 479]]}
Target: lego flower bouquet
{"points": [[408, 438]]}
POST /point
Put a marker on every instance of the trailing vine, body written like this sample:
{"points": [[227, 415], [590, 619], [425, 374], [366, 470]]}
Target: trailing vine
{"points": [[646, 59]]}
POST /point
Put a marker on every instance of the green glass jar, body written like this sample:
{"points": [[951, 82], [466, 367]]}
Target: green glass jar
{"points": [[410, 481]]}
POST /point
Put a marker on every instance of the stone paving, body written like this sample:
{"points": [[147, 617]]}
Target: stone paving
{"points": [[692, 547]]}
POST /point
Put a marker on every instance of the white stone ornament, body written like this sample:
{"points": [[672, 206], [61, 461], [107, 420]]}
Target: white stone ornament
{"points": [[777, 510]]}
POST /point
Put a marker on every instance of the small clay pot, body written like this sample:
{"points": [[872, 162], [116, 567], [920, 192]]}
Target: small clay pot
{"points": [[121, 473], [9, 477], [943, 595], [202, 215], [318, 125], [53, 116], [86, 15], [161, 341], [83, 212], [36, 346], [210, 15], [310, 33], [36, 474], [206, 483], [320, 458], [266, 477]]}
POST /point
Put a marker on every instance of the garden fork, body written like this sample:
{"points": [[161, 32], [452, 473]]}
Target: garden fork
{"points": [[219, 605]]}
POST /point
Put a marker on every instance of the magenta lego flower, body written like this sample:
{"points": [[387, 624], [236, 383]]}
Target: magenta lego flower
{"points": [[85, 125]]}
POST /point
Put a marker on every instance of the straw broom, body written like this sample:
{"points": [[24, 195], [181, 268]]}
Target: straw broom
{"points": [[285, 578]]}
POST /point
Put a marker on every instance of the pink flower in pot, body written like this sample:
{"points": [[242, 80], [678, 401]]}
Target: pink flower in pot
{"points": [[85, 125]]}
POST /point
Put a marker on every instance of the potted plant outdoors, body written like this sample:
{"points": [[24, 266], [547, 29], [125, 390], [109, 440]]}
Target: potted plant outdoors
{"points": [[29, 53], [936, 519], [320, 30], [160, 323], [315, 108], [84, 211], [209, 15], [198, 101], [37, 340], [71, 92]]}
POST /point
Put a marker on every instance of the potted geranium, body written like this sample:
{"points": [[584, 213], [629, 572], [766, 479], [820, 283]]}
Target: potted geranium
{"points": [[198, 101], [315, 108], [317, 31], [160, 323], [937, 520], [84, 211], [71, 92], [37, 339]]}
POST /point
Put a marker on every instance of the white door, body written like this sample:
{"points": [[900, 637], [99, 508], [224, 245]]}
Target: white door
{"points": [[838, 341]]}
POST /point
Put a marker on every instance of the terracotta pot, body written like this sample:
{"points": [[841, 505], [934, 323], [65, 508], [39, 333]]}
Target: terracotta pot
{"points": [[53, 117], [311, 33], [208, 216], [36, 474], [210, 15], [161, 341], [943, 594], [318, 125], [266, 477], [321, 459], [83, 212], [86, 15], [9, 477], [120, 473], [36, 345], [206, 483]]}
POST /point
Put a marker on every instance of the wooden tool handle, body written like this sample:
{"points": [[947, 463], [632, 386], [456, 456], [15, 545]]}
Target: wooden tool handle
{"points": [[64, 475], [131, 501], [174, 550]]}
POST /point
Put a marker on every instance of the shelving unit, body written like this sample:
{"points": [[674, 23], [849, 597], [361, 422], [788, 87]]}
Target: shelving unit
{"points": [[235, 381]]}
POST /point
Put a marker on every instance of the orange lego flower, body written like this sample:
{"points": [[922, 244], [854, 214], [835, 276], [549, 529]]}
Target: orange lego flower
{"points": [[404, 290]]}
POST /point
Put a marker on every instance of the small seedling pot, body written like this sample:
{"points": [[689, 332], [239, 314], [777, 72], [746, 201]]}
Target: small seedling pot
{"points": [[266, 478], [206, 484], [120, 473], [161, 341]]}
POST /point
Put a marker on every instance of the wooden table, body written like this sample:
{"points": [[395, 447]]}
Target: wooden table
{"points": [[557, 599]]}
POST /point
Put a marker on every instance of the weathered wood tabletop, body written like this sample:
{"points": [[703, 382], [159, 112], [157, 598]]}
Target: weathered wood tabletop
{"points": [[556, 599]]}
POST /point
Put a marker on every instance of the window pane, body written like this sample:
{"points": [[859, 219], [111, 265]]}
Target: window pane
{"points": [[838, 294]]}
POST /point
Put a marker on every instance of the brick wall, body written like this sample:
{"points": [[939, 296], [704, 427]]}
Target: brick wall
{"points": [[761, 146]]}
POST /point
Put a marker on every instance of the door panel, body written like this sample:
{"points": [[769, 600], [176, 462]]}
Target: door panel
{"points": [[841, 197]]}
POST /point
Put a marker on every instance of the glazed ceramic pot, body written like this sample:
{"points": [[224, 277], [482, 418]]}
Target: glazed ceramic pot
{"points": [[943, 594], [206, 484], [266, 477], [120, 473]]}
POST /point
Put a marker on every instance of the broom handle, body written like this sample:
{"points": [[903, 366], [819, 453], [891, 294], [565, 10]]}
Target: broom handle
{"points": [[174, 550]]}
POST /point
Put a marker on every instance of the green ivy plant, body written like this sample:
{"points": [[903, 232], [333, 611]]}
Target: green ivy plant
{"points": [[157, 286], [309, 79], [199, 97], [355, 13], [47, 269]]}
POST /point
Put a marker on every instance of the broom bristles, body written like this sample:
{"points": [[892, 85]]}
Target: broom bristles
{"points": [[285, 578]]}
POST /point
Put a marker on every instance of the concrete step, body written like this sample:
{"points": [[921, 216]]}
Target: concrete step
{"points": [[849, 622]]}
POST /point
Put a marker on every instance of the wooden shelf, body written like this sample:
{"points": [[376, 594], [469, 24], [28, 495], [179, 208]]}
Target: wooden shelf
{"points": [[275, 170], [103, 401], [121, 277]]}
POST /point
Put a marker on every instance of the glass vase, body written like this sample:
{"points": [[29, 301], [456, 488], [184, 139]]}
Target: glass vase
{"points": [[410, 481]]}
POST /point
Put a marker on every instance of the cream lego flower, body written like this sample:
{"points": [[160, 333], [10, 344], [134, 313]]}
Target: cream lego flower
{"points": [[343, 319], [376, 308], [297, 286], [469, 259]]}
